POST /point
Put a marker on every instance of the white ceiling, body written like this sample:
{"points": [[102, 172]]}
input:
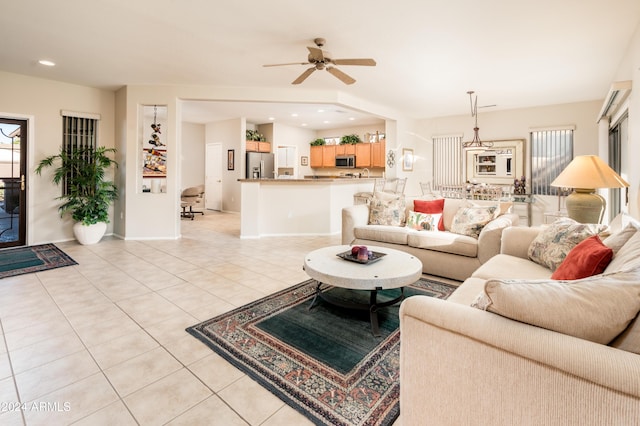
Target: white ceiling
{"points": [[429, 53]]}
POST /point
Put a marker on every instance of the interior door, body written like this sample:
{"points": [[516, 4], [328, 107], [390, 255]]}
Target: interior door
{"points": [[213, 177], [13, 194]]}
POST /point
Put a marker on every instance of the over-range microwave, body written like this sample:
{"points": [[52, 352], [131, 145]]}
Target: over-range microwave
{"points": [[346, 161]]}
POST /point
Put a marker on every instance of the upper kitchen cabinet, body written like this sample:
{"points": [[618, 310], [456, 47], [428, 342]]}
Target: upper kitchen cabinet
{"points": [[378, 154], [345, 149], [287, 156], [315, 156], [363, 154], [255, 146]]}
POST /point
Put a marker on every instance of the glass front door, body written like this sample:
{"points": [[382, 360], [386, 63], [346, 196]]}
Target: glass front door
{"points": [[13, 209]]}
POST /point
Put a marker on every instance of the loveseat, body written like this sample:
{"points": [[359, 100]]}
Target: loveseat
{"points": [[443, 253], [531, 350]]}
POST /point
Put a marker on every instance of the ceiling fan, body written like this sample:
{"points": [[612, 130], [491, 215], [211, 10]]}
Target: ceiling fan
{"points": [[321, 59]]}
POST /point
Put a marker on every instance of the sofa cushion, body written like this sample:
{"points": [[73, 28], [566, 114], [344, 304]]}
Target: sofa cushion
{"points": [[597, 308], [629, 339], [431, 206], [511, 267], [619, 239], [446, 242], [470, 220], [387, 209], [555, 241], [423, 221], [589, 257], [627, 257], [382, 233]]}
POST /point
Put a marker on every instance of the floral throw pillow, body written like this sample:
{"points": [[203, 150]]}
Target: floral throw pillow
{"points": [[385, 209], [470, 220], [423, 221], [554, 242]]}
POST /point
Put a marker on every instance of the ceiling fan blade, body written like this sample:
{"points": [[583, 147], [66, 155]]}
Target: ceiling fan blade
{"points": [[340, 75], [364, 61], [290, 63], [304, 75], [315, 54]]}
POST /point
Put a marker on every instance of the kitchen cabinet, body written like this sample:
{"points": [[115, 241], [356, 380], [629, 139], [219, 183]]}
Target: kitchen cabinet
{"points": [[286, 156], [378, 154], [315, 156], [329, 156], [363, 154], [346, 149], [255, 146]]}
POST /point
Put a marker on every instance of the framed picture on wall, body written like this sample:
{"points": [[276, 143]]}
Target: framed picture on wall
{"points": [[231, 159], [304, 161], [407, 159]]}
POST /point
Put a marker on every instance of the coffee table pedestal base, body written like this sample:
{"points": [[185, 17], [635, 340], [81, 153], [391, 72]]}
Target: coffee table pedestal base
{"points": [[372, 306]]}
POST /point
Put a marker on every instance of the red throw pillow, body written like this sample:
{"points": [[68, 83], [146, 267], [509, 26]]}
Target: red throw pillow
{"points": [[432, 207], [589, 257]]}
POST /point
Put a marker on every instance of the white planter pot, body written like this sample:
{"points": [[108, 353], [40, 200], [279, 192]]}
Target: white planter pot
{"points": [[89, 234]]}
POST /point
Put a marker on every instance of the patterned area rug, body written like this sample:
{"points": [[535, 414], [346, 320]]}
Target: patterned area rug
{"points": [[325, 361], [25, 260]]}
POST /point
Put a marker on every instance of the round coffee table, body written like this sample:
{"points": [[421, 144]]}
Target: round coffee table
{"points": [[395, 269]]}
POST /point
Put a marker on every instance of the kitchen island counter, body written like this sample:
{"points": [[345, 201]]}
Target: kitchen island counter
{"points": [[278, 207]]}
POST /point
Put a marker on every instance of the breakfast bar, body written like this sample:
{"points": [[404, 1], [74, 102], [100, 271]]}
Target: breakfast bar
{"points": [[313, 206]]}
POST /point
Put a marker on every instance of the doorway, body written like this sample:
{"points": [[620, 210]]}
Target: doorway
{"points": [[13, 172], [213, 177]]}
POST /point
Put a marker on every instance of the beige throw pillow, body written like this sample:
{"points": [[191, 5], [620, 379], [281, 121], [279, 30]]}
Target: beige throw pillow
{"points": [[470, 220], [387, 209], [597, 308], [555, 241]]}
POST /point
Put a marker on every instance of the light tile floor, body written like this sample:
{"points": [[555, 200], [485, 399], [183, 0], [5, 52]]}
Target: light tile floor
{"points": [[104, 342]]}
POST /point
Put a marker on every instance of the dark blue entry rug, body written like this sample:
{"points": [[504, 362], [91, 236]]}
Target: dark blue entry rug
{"points": [[324, 362], [24, 260]]}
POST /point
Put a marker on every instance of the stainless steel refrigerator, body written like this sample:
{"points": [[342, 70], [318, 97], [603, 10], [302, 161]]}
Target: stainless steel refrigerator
{"points": [[260, 165]]}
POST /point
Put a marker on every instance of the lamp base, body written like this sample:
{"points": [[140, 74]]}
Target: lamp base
{"points": [[585, 206]]}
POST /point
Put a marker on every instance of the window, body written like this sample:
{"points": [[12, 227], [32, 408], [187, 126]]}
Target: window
{"points": [[551, 152], [78, 133]]}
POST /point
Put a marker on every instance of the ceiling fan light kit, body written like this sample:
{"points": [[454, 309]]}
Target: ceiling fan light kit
{"points": [[322, 60]]}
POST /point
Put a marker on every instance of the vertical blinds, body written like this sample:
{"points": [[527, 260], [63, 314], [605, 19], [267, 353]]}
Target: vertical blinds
{"points": [[551, 152], [447, 161]]}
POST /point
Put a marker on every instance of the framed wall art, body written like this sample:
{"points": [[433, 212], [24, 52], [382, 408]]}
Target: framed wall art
{"points": [[304, 161], [407, 159], [231, 160]]}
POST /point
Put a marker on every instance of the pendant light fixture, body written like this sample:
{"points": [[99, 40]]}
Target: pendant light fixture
{"points": [[476, 143]]}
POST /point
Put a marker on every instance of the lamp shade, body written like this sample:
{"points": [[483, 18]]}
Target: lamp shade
{"points": [[589, 171], [585, 173]]}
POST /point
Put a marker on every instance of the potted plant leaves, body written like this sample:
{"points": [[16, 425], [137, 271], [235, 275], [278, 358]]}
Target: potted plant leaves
{"points": [[88, 193]]}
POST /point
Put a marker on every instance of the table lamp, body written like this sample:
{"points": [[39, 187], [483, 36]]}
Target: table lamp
{"points": [[585, 174]]}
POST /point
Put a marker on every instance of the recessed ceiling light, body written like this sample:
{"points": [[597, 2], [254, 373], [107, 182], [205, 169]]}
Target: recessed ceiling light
{"points": [[47, 63], [320, 110], [351, 118], [304, 124], [326, 122], [294, 115], [271, 118]]}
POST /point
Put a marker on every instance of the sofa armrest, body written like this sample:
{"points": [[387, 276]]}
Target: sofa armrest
{"points": [[500, 371], [352, 216], [516, 240], [490, 238]]}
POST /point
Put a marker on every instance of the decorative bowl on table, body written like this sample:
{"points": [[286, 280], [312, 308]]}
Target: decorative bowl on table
{"points": [[373, 257]]}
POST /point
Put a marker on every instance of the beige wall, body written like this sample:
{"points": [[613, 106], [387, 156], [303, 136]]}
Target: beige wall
{"points": [[40, 102], [193, 155]]}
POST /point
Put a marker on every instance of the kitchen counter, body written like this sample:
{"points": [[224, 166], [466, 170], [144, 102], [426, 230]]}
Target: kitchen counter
{"points": [[318, 179], [313, 206]]}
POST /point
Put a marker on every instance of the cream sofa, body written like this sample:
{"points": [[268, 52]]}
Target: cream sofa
{"points": [[460, 365], [442, 253]]}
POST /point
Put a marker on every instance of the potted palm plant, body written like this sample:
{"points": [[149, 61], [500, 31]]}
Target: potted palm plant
{"points": [[88, 194]]}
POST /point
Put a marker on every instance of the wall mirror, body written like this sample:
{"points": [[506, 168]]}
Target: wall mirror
{"points": [[500, 164]]}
